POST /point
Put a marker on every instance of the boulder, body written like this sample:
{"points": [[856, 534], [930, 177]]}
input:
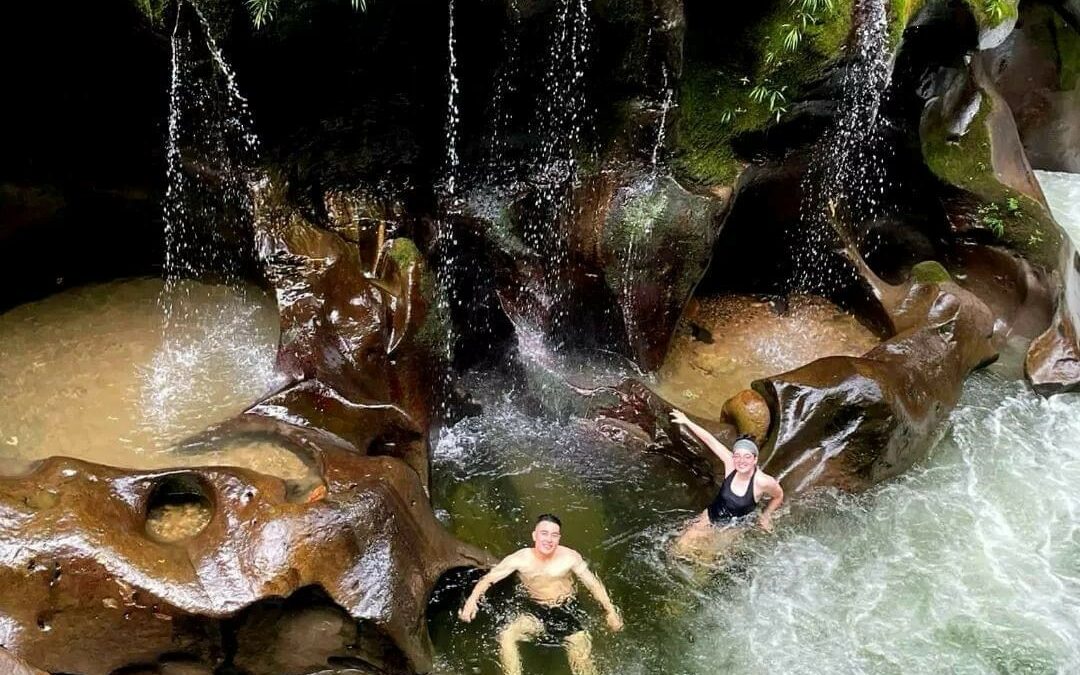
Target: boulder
{"points": [[850, 422], [1020, 295], [655, 246], [1052, 365], [87, 590], [749, 413], [1053, 362], [349, 336], [970, 141], [342, 569], [1032, 70], [641, 418], [636, 244]]}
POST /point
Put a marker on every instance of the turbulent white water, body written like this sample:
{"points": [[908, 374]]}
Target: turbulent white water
{"points": [[970, 563], [1062, 191]]}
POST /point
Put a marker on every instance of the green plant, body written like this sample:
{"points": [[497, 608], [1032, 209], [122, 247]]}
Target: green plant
{"points": [[765, 92], [730, 114], [262, 11], [996, 10], [791, 36], [793, 33], [153, 9], [993, 217]]}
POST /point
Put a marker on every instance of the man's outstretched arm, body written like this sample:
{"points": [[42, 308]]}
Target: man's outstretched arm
{"points": [[505, 568], [591, 582]]}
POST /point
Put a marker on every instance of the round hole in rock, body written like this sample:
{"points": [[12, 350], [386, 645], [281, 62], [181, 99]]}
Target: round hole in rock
{"points": [[178, 509]]}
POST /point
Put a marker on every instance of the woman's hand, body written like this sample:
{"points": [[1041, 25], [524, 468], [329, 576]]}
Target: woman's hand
{"points": [[678, 417], [765, 521]]}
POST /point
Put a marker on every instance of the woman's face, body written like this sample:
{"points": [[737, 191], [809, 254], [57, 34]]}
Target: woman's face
{"points": [[744, 461]]}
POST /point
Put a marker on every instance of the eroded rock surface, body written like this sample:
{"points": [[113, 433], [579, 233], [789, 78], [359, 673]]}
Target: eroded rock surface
{"points": [[86, 590], [1052, 365], [89, 588], [850, 422], [633, 248]]}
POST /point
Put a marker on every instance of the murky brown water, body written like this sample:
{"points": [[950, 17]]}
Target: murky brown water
{"points": [[751, 340], [87, 373]]}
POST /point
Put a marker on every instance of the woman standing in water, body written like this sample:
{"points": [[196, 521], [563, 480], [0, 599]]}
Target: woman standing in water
{"points": [[743, 489]]}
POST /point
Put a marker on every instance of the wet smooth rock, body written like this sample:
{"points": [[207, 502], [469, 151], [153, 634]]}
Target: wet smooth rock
{"points": [[749, 413], [85, 586], [850, 422], [85, 589]]}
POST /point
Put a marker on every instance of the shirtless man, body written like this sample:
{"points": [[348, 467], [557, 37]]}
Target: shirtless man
{"points": [[743, 489], [552, 613]]}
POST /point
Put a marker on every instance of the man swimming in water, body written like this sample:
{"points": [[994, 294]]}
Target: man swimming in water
{"points": [[551, 613], [743, 488]]}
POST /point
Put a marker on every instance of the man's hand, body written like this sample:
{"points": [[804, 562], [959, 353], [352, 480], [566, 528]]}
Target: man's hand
{"points": [[614, 621], [468, 610], [678, 417]]}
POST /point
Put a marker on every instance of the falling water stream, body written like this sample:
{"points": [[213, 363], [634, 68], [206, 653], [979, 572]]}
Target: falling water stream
{"points": [[968, 563], [845, 182], [118, 373]]}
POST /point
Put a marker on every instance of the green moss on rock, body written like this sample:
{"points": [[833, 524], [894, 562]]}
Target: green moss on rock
{"points": [[715, 99], [966, 161], [991, 13], [435, 326], [930, 272]]}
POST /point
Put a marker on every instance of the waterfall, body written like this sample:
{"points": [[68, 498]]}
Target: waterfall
{"points": [[499, 170], [445, 243], [563, 116], [668, 96], [453, 114], [208, 224], [845, 181], [211, 144]]}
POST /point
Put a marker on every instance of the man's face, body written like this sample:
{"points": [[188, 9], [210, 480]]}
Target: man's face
{"points": [[546, 537]]}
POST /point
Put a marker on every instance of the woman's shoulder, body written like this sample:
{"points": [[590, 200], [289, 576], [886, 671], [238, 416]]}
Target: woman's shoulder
{"points": [[763, 479]]}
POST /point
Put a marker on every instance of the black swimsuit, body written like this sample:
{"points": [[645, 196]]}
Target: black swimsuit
{"points": [[559, 621], [728, 506]]}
